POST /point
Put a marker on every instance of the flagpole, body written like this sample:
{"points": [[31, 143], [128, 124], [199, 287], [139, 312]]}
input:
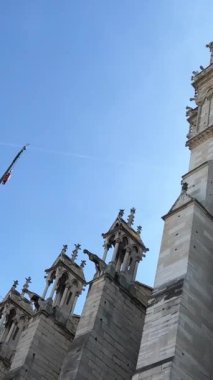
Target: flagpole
{"points": [[7, 172]]}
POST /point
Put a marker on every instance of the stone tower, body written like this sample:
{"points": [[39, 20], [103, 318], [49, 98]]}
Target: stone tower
{"points": [[177, 342], [36, 332], [108, 335]]}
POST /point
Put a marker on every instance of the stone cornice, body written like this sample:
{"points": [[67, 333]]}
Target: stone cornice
{"points": [[200, 137], [202, 76], [184, 176], [126, 288], [159, 363], [192, 201]]}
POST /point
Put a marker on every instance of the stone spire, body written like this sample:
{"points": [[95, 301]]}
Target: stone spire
{"points": [[210, 46], [128, 248], [64, 282]]}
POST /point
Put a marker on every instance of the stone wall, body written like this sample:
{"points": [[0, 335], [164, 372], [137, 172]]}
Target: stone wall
{"points": [[194, 351], [3, 369], [178, 332], [108, 335], [41, 350]]}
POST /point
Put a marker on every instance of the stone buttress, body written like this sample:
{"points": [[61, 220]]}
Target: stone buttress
{"points": [[177, 341], [108, 335], [37, 332]]}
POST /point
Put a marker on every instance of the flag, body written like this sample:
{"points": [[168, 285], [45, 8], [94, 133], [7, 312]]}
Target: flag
{"points": [[7, 174], [6, 178]]}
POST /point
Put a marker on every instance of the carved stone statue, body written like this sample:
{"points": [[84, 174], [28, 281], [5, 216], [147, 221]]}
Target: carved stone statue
{"points": [[99, 264], [33, 297]]}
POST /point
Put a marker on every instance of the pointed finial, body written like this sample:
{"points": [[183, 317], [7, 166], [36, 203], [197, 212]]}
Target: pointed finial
{"points": [[121, 213], [64, 249], [139, 229], [131, 217], [184, 186], [26, 284], [83, 263], [15, 284], [210, 46], [75, 252]]}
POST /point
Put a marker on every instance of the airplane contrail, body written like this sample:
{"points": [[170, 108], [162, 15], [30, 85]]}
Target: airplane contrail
{"points": [[53, 151], [66, 153]]}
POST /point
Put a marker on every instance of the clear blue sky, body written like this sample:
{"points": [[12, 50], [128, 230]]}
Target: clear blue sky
{"points": [[99, 89]]}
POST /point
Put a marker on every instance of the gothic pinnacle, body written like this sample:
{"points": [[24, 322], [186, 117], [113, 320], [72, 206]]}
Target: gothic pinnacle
{"points": [[75, 252], [64, 249], [15, 284], [139, 229], [121, 213], [26, 284], [131, 217]]}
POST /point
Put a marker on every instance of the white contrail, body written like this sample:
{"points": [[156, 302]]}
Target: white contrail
{"points": [[11, 145], [60, 152], [45, 150], [76, 155]]}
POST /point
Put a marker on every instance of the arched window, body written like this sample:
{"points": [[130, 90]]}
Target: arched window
{"points": [[10, 318], [61, 287]]}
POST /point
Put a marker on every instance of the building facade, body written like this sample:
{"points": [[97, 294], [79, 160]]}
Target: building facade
{"points": [[177, 340], [42, 338]]}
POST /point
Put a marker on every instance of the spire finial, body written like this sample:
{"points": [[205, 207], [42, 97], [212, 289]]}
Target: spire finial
{"points": [[139, 229], [64, 249], [15, 284], [75, 252], [26, 284], [210, 46], [121, 213], [131, 217]]}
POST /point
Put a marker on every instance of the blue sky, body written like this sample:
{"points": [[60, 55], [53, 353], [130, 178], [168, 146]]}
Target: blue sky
{"points": [[99, 90]]}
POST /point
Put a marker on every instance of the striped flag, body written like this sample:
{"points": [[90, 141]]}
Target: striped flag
{"points": [[7, 174], [6, 178]]}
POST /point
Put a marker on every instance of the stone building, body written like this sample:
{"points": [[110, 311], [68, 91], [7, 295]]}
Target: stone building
{"points": [[177, 340], [42, 338]]}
